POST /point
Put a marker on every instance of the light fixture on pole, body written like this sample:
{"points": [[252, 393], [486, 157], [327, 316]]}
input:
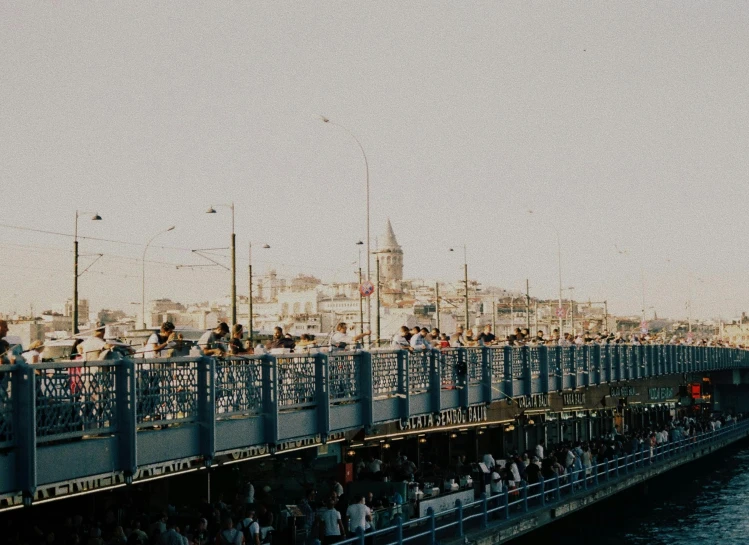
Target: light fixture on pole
{"points": [[366, 167], [211, 210], [143, 279], [95, 217], [250, 321]]}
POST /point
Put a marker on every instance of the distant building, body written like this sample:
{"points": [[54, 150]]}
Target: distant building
{"points": [[83, 310], [390, 257]]}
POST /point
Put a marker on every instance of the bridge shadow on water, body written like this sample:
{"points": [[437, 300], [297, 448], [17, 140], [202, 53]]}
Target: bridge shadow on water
{"points": [[704, 502]]}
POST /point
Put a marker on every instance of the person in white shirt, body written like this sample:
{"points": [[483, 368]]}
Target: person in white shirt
{"points": [[158, 341], [92, 347], [419, 339], [400, 339], [358, 515], [34, 353], [496, 483], [489, 462], [332, 524], [341, 340], [210, 343], [250, 528], [229, 535], [336, 487], [540, 450]]}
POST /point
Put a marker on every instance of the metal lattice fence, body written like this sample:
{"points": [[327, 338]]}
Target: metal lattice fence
{"points": [[385, 371], [296, 381], [6, 407], [343, 376], [75, 401], [167, 392], [239, 387]]}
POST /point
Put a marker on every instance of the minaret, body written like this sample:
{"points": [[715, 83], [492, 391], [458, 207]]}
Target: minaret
{"points": [[390, 255]]}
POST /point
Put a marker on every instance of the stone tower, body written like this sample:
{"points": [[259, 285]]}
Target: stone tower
{"points": [[390, 255]]}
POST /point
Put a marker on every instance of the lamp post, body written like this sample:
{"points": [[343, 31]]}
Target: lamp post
{"points": [[465, 281], [560, 312], [361, 296], [366, 168], [143, 278], [95, 217], [211, 210], [571, 289], [250, 321]]}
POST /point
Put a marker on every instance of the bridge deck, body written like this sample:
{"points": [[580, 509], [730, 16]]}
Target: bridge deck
{"points": [[106, 423]]}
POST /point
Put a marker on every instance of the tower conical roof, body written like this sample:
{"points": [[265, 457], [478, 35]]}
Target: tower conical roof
{"points": [[389, 242]]}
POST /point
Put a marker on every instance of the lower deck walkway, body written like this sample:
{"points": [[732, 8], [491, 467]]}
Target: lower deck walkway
{"points": [[501, 518]]}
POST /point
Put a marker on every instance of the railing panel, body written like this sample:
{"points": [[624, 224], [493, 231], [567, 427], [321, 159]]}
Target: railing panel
{"points": [[74, 399], [555, 367], [534, 360], [167, 391], [473, 361], [385, 373], [580, 361], [451, 367], [497, 359], [6, 407], [418, 371], [239, 387], [343, 376], [296, 381], [568, 367], [516, 363]]}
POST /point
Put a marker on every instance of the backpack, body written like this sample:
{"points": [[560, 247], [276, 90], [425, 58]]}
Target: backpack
{"points": [[245, 529]]}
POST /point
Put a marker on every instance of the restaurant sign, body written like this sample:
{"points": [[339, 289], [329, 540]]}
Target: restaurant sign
{"points": [[448, 417], [535, 401], [622, 391], [573, 398], [660, 394]]}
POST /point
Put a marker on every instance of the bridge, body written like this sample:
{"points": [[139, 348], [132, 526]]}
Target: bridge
{"points": [[73, 427]]}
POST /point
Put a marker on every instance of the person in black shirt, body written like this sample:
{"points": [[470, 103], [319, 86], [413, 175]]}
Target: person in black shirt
{"points": [[532, 471], [486, 336]]}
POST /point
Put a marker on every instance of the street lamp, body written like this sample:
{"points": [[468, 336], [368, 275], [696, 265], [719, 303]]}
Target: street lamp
{"points": [[95, 217], [361, 295], [366, 167], [143, 279], [211, 210], [571, 289], [250, 324], [560, 311], [465, 280]]}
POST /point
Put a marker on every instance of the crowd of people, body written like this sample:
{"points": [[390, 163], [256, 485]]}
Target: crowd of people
{"points": [[571, 461], [224, 340], [422, 338]]}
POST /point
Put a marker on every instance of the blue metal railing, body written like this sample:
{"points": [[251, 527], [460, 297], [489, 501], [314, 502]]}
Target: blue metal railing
{"points": [[221, 405], [502, 509]]}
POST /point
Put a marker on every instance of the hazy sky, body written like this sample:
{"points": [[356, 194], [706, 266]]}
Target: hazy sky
{"points": [[622, 125]]}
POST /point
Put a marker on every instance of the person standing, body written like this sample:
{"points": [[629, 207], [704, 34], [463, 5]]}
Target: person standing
{"points": [[340, 340], [210, 343], [34, 353], [333, 530], [358, 515], [419, 340], [236, 346], [92, 347], [158, 341], [400, 339], [487, 337]]}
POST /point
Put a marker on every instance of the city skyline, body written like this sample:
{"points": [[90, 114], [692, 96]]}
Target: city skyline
{"points": [[621, 130]]}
